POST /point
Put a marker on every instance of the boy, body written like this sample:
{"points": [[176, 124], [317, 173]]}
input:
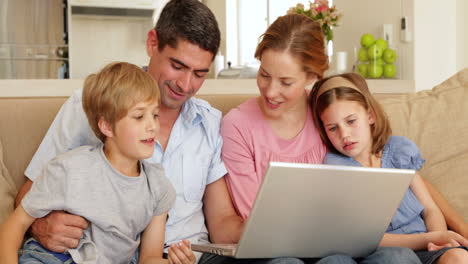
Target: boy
{"points": [[108, 184]]}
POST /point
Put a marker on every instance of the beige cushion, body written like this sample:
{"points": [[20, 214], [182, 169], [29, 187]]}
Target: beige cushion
{"points": [[437, 121], [7, 189]]}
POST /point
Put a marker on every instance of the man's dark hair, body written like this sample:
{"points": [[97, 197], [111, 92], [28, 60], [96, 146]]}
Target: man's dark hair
{"points": [[188, 20]]}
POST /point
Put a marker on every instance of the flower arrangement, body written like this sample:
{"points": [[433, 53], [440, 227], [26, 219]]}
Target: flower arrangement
{"points": [[320, 11]]}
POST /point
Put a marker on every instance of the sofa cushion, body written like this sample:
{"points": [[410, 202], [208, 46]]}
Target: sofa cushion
{"points": [[7, 189], [437, 121]]}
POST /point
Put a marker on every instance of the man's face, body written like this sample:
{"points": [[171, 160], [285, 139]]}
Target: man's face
{"points": [[179, 72]]}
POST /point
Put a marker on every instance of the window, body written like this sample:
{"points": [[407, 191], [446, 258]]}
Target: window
{"points": [[246, 20]]}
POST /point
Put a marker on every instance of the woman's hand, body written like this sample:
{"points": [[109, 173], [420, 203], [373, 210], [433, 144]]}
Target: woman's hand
{"points": [[181, 253]]}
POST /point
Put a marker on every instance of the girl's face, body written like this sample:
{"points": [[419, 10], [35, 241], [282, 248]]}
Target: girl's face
{"points": [[348, 126], [282, 81]]}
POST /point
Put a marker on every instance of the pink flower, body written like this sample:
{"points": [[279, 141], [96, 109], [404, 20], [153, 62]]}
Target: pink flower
{"points": [[320, 11], [321, 2], [322, 8]]}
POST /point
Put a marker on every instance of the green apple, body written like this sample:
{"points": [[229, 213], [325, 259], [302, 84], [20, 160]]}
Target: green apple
{"points": [[389, 70], [362, 70], [367, 40], [374, 52], [378, 61], [389, 55], [374, 71], [362, 55], [381, 43]]}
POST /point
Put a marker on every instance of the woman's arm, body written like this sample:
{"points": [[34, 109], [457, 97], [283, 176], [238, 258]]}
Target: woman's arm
{"points": [[454, 220], [432, 215], [11, 234]]}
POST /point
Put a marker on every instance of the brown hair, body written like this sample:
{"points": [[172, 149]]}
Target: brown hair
{"points": [[111, 92], [299, 35], [189, 20], [319, 100]]}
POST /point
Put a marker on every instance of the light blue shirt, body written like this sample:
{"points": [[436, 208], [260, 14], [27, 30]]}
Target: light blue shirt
{"points": [[192, 158], [398, 153]]}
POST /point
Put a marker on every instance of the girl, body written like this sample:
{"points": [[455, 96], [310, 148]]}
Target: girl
{"points": [[356, 132]]}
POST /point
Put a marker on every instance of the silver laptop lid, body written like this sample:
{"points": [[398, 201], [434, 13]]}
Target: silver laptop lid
{"points": [[311, 210]]}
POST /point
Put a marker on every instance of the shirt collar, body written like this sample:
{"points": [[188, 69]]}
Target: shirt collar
{"points": [[191, 113]]}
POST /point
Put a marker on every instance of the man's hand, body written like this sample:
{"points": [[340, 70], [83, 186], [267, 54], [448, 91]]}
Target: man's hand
{"points": [[59, 231]]}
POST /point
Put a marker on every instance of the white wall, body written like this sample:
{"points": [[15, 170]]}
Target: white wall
{"points": [[462, 34], [368, 16], [98, 40], [435, 42]]}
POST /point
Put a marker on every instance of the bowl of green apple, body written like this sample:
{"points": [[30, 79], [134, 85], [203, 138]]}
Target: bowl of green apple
{"points": [[375, 59]]}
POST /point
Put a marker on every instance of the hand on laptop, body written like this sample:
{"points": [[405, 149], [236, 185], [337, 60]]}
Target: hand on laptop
{"points": [[443, 239], [180, 253]]}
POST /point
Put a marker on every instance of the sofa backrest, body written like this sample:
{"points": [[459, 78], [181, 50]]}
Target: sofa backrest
{"points": [[436, 120]]}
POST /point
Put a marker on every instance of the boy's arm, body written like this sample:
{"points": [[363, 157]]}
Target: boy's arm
{"points": [[23, 191], [152, 241], [454, 220], [432, 215], [224, 225], [11, 234], [56, 231]]}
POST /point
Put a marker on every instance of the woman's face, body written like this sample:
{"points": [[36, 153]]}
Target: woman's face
{"points": [[282, 81]]}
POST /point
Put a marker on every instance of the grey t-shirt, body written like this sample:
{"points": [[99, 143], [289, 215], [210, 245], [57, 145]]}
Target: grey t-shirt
{"points": [[118, 207]]}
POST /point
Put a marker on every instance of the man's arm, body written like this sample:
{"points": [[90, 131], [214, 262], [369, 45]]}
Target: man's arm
{"points": [[454, 220], [224, 225]]}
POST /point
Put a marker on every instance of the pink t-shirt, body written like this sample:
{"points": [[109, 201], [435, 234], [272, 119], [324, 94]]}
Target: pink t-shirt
{"points": [[249, 144]]}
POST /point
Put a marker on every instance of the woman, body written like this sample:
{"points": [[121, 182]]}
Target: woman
{"points": [[277, 125]]}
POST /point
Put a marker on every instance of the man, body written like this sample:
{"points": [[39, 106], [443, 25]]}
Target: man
{"points": [[181, 49]]}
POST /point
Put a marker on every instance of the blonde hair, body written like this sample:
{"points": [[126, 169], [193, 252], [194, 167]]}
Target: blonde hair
{"points": [[111, 92], [319, 100]]}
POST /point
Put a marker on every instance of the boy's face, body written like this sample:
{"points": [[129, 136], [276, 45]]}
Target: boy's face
{"points": [[347, 124], [179, 71], [133, 137]]}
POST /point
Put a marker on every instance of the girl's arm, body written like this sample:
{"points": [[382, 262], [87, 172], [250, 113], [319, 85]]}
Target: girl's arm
{"points": [[12, 233], [454, 220], [433, 217], [420, 241]]}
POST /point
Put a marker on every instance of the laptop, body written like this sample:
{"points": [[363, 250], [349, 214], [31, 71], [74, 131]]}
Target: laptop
{"points": [[316, 210]]}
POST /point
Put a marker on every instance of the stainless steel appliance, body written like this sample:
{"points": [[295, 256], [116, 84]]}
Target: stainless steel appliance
{"points": [[33, 39]]}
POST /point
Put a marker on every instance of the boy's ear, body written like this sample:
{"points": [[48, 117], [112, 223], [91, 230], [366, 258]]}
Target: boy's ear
{"points": [[105, 127], [371, 116]]}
